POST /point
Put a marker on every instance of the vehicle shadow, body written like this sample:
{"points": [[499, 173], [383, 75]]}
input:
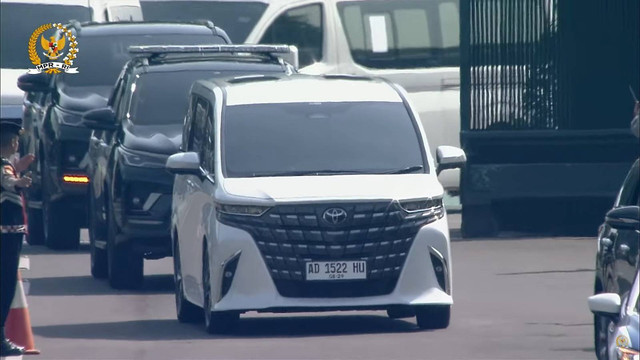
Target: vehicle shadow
{"points": [[248, 327], [87, 285], [43, 250]]}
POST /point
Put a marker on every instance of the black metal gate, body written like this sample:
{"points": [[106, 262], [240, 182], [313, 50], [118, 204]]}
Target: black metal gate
{"points": [[549, 64]]}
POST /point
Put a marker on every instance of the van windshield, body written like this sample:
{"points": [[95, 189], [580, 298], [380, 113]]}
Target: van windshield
{"points": [[402, 34], [19, 20], [236, 18], [320, 138]]}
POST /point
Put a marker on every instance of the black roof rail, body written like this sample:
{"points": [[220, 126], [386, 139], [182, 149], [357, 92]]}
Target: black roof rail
{"points": [[347, 77]]}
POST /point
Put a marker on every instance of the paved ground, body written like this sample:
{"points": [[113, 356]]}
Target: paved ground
{"points": [[515, 298]]}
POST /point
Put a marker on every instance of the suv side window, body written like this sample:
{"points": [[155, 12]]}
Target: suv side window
{"points": [[630, 188], [197, 136], [402, 34], [301, 27], [208, 147]]}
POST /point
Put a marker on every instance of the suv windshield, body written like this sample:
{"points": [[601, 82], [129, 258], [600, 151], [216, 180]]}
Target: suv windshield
{"points": [[323, 138], [18, 21], [101, 58], [402, 34], [155, 103], [237, 18]]}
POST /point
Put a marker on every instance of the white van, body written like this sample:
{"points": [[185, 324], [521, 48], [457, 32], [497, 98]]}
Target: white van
{"points": [[306, 193], [412, 43], [19, 18]]}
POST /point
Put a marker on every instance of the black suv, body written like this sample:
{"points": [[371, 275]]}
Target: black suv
{"points": [[617, 260], [130, 191], [53, 112]]}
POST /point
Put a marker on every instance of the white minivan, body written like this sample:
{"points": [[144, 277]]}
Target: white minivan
{"points": [[20, 18], [414, 43], [308, 193]]}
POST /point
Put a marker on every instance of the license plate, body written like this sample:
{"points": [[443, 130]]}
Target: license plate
{"points": [[336, 270]]}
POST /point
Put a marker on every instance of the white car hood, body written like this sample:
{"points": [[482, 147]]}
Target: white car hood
{"points": [[334, 187], [11, 94]]}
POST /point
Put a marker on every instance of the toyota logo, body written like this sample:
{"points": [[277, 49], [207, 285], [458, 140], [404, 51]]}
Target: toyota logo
{"points": [[334, 216]]}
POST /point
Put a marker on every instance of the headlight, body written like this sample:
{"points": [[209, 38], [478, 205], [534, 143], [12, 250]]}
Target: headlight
{"points": [[139, 159], [628, 354], [413, 206], [241, 209]]}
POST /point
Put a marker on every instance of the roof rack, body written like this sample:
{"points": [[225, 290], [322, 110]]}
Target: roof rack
{"points": [[288, 53]]}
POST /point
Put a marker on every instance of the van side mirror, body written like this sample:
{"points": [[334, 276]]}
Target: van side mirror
{"points": [[100, 119], [34, 82], [624, 218], [605, 304], [449, 157], [186, 163]]}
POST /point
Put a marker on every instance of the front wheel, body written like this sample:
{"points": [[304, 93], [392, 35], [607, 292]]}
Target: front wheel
{"points": [[126, 268], [216, 322], [433, 316], [61, 223], [98, 256], [187, 311], [36, 227]]}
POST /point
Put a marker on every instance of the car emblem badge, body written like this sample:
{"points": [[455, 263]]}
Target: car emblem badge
{"points": [[334, 216]]}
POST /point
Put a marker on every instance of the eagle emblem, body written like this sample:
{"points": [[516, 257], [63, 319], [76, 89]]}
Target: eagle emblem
{"points": [[53, 48]]}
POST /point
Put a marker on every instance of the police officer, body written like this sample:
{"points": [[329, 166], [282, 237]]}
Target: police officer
{"points": [[12, 225]]}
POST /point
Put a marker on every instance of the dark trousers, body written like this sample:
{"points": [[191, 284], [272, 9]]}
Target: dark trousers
{"points": [[10, 246]]}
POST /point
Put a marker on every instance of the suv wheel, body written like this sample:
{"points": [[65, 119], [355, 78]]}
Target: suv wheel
{"points": [[125, 268], [216, 322], [61, 224], [187, 311], [433, 316], [36, 227], [99, 266]]}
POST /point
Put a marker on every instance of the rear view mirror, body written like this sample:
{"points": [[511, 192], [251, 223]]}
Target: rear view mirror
{"points": [[606, 304], [34, 82], [100, 119], [624, 218], [450, 157], [186, 163]]}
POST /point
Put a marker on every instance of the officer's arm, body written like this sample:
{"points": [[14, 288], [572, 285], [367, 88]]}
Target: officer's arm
{"points": [[9, 178]]}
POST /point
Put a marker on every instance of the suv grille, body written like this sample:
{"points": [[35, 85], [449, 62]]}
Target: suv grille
{"points": [[289, 236]]}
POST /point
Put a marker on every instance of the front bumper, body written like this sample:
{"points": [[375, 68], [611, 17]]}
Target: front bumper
{"points": [[253, 287]]}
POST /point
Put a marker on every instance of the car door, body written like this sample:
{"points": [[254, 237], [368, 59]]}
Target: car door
{"points": [[190, 208], [625, 244], [309, 27]]}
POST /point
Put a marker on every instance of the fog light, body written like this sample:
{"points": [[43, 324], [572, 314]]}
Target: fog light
{"points": [[75, 179], [229, 271]]}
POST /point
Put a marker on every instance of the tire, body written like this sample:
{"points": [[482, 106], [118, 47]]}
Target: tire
{"points": [[186, 311], [61, 224], [125, 268], [433, 317], [98, 257], [601, 336], [36, 227], [478, 221], [216, 322]]}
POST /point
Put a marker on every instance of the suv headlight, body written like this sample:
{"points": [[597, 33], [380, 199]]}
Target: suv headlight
{"points": [[140, 159], [246, 210], [421, 208]]}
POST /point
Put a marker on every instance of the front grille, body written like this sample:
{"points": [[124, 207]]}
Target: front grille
{"points": [[289, 236]]}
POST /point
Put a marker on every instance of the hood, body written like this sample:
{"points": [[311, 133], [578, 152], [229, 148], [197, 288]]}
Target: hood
{"points": [[158, 139], [335, 187], [83, 98], [11, 93]]}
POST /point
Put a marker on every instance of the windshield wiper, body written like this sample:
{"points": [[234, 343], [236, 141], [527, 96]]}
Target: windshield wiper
{"points": [[406, 170], [310, 172]]}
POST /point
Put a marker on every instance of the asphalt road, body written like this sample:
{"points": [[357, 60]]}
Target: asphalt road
{"points": [[515, 298]]}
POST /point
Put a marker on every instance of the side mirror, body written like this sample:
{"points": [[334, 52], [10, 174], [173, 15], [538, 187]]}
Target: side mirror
{"points": [[606, 304], [292, 58], [100, 119], [624, 218], [186, 163], [34, 82], [449, 157]]}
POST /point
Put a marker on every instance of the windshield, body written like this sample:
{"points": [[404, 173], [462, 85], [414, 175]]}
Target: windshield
{"points": [[18, 21], [150, 106], [237, 18], [347, 137], [402, 34], [101, 58]]}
